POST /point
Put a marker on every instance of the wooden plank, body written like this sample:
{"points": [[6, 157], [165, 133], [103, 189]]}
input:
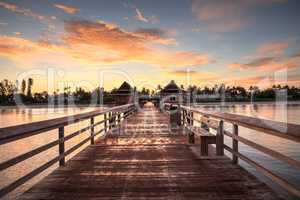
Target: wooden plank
{"points": [[148, 172], [277, 179]]}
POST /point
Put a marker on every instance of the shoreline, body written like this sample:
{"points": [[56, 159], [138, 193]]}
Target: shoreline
{"points": [[228, 103]]}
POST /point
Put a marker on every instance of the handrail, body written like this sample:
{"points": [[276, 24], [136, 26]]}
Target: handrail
{"points": [[9, 134], [18, 132], [283, 130]]}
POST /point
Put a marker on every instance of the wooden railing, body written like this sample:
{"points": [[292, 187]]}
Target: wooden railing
{"points": [[112, 119], [216, 120]]}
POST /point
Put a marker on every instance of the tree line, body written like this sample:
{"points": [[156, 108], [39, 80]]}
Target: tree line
{"points": [[11, 94]]}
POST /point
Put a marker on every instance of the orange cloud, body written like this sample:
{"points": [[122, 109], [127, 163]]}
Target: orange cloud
{"points": [[199, 75], [160, 36], [272, 59], [264, 81], [67, 9], [22, 11], [15, 47], [94, 43], [225, 16], [268, 64], [273, 48], [114, 45]]}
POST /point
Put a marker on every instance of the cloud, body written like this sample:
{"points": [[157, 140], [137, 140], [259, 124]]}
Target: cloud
{"points": [[264, 81], [199, 74], [17, 33], [66, 9], [96, 43], [268, 64], [226, 16], [273, 48], [197, 77], [268, 57], [13, 47], [184, 72], [296, 55], [22, 11], [258, 62], [160, 36], [141, 17], [114, 45]]}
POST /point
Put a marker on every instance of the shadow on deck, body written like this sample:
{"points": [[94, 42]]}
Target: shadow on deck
{"points": [[144, 160]]}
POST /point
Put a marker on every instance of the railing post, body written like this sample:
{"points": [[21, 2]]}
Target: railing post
{"points": [[61, 137], [220, 139], [204, 125], [114, 119], [105, 123], [235, 144], [92, 131], [183, 118], [109, 120], [192, 119], [191, 134], [119, 122]]}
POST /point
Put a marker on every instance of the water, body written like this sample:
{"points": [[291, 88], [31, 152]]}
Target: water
{"points": [[279, 112], [274, 111], [14, 116]]}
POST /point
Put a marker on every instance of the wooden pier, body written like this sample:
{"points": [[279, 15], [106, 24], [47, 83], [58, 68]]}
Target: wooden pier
{"points": [[142, 157], [148, 163]]}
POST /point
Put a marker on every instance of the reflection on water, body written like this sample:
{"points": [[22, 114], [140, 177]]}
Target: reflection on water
{"points": [[279, 112], [283, 112], [11, 116]]}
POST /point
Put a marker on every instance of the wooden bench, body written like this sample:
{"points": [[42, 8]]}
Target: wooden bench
{"points": [[205, 136]]}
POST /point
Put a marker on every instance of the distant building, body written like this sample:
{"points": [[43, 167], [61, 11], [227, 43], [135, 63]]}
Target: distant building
{"points": [[124, 95], [171, 93]]}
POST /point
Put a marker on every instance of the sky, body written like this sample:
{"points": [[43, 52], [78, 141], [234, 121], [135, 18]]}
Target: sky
{"points": [[92, 43]]}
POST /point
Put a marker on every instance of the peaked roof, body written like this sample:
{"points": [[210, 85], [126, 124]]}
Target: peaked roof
{"points": [[125, 87], [171, 87]]}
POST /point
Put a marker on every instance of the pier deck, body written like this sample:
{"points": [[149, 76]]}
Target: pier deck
{"points": [[146, 161]]}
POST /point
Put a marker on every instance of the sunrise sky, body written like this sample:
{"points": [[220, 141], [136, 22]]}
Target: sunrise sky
{"points": [[236, 42]]}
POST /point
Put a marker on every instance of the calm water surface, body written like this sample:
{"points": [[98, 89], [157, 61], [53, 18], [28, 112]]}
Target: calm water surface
{"points": [[14, 116], [279, 112], [274, 111]]}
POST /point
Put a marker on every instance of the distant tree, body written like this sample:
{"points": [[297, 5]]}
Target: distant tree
{"points": [[29, 87], [145, 91], [159, 87], [7, 90], [81, 96], [23, 86]]}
